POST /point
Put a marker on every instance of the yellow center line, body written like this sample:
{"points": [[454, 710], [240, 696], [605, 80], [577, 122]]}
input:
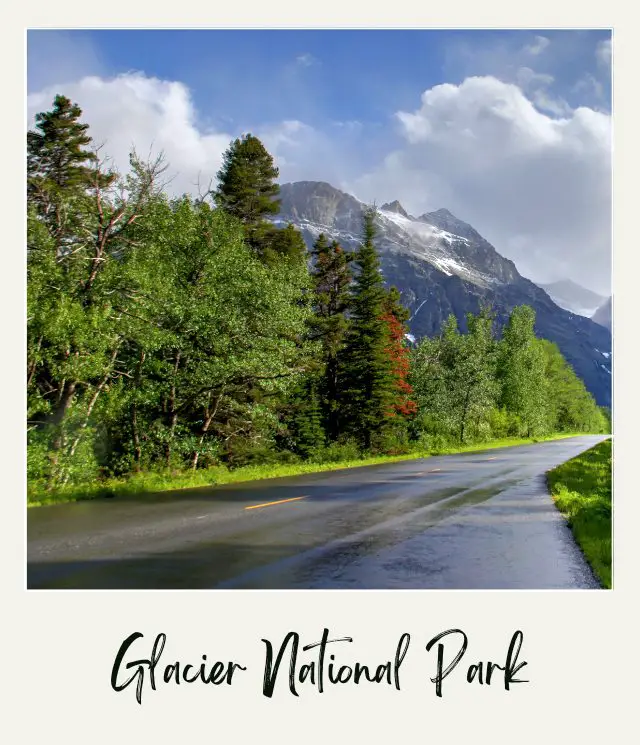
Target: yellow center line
{"points": [[494, 458], [279, 501]]}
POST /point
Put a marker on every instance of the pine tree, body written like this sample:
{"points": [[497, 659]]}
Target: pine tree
{"points": [[247, 188], [56, 149], [61, 168], [304, 418], [277, 244], [368, 380], [331, 278]]}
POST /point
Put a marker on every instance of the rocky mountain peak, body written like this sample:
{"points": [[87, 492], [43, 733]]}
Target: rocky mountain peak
{"points": [[442, 265], [396, 207]]}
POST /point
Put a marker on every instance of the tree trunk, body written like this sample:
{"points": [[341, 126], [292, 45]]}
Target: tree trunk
{"points": [[94, 398], [172, 414], [137, 448], [209, 416], [60, 412], [203, 432]]}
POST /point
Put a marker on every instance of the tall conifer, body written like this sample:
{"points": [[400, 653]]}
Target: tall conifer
{"points": [[331, 279], [247, 188], [368, 377]]}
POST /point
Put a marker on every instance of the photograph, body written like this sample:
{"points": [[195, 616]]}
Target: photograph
{"points": [[318, 309]]}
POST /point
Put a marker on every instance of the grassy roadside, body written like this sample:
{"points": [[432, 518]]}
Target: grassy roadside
{"points": [[154, 482], [581, 489]]}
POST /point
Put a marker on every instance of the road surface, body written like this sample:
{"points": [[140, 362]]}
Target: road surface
{"points": [[470, 521]]}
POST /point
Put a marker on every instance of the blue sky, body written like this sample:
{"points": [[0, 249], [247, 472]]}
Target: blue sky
{"points": [[323, 76], [349, 107]]}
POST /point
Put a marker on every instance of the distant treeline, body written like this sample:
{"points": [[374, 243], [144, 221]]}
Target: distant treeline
{"points": [[170, 333]]}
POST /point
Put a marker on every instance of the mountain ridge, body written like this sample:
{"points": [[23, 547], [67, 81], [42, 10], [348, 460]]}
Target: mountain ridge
{"points": [[439, 272], [574, 297]]}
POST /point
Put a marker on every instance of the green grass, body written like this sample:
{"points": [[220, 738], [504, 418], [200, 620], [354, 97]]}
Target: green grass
{"points": [[159, 481], [581, 489]]}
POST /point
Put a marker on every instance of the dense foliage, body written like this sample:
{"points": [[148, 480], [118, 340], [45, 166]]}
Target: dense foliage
{"points": [[176, 333]]}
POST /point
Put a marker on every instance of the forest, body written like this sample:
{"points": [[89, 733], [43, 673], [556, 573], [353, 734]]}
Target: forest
{"points": [[178, 334]]}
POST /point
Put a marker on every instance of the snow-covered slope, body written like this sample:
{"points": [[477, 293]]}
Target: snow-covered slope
{"points": [[442, 266]]}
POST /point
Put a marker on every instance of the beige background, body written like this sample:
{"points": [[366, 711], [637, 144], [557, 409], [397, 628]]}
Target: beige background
{"points": [[58, 647]]}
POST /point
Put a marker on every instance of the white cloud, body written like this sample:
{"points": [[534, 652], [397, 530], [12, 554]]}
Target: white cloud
{"points": [[153, 115], [306, 60], [536, 86], [528, 78], [537, 186], [150, 114], [603, 52], [589, 86], [540, 43]]}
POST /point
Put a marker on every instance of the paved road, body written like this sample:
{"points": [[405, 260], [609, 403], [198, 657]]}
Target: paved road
{"points": [[475, 520]]}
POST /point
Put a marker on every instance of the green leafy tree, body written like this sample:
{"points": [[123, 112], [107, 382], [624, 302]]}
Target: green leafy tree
{"points": [[522, 370], [454, 377], [79, 220], [571, 408], [232, 335]]}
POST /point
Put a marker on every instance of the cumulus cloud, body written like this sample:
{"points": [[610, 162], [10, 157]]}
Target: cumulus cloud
{"points": [[534, 180], [537, 186], [590, 86], [539, 44], [151, 115], [537, 87]]}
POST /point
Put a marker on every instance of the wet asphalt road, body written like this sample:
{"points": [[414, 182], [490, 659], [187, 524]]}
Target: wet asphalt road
{"points": [[471, 521]]}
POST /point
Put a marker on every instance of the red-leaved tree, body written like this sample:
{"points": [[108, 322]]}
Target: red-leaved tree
{"points": [[395, 315]]}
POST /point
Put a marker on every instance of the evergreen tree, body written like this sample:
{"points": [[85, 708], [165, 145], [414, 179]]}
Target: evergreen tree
{"points": [[305, 430], [368, 380], [281, 244], [56, 150], [247, 188], [331, 278]]}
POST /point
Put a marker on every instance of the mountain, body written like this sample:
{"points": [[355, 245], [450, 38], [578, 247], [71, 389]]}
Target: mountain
{"points": [[442, 265], [572, 296], [603, 314]]}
